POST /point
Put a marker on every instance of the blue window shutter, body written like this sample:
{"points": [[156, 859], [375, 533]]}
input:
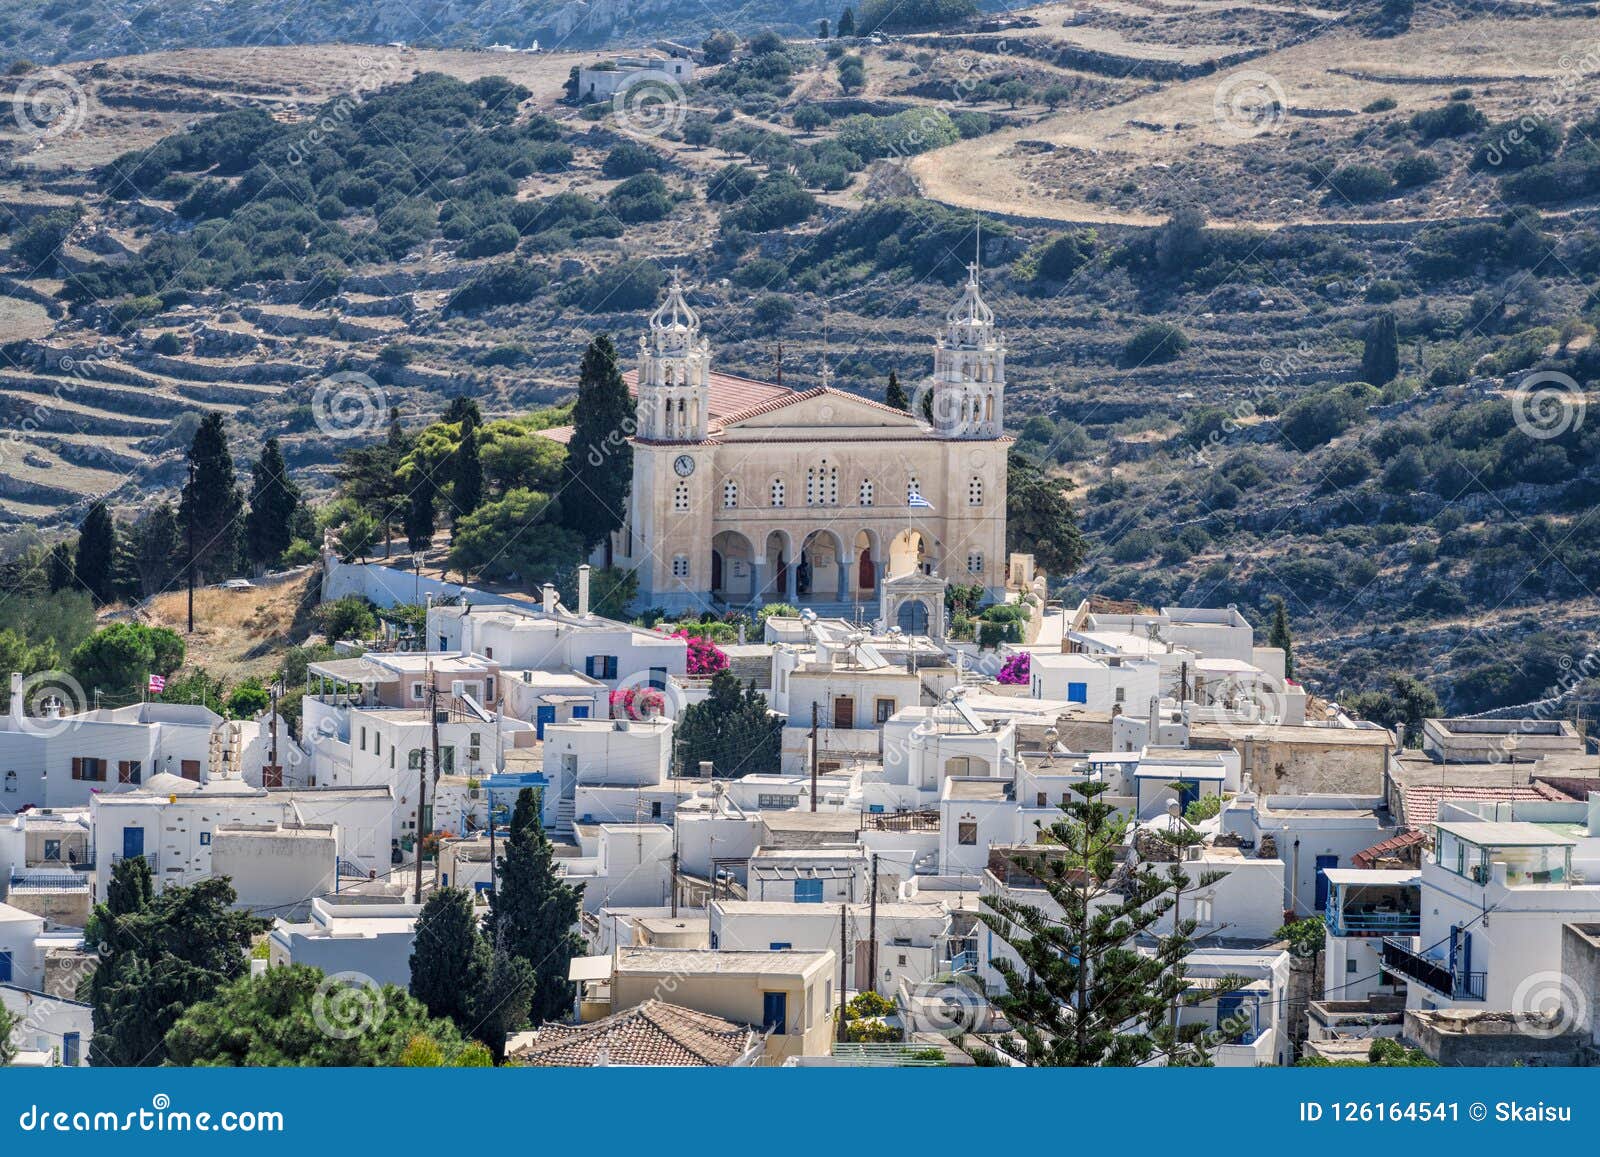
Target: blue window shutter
{"points": [[1077, 692]]}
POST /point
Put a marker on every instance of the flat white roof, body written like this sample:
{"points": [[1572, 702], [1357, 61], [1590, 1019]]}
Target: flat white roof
{"points": [[1506, 833], [1373, 875]]}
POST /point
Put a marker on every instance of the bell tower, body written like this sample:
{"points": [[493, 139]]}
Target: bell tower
{"points": [[969, 369], [674, 373]]}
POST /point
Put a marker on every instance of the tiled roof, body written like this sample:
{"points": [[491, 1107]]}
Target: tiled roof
{"points": [[1422, 801], [653, 1033], [730, 394], [1369, 857]]}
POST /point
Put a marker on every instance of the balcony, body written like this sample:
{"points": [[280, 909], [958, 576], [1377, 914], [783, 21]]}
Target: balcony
{"points": [[1430, 972], [1374, 923]]}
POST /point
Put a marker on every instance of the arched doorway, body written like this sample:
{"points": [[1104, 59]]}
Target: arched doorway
{"points": [[867, 562], [908, 553], [913, 617], [732, 567], [821, 573]]}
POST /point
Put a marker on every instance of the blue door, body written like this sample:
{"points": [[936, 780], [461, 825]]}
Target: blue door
{"points": [[132, 843], [70, 1048], [542, 716], [1188, 792], [1323, 864], [581, 712], [5, 968], [775, 1011]]}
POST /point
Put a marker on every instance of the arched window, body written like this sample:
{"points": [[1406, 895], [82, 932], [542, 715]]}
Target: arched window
{"points": [[865, 497], [668, 378], [988, 408], [811, 486], [730, 494], [777, 492], [11, 781], [975, 491], [913, 489], [830, 485], [974, 563], [680, 497], [680, 566]]}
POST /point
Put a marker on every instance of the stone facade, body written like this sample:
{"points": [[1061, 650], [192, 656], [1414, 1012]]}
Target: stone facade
{"points": [[748, 492]]}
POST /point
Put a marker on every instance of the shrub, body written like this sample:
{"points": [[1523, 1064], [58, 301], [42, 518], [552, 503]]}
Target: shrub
{"points": [[1456, 119], [1359, 182], [628, 158], [1414, 170], [1155, 344]]}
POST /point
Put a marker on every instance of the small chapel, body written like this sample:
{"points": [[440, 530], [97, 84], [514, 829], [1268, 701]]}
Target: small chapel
{"points": [[748, 492]]}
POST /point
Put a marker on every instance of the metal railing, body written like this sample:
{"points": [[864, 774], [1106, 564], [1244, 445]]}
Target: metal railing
{"points": [[1432, 973], [1374, 923]]}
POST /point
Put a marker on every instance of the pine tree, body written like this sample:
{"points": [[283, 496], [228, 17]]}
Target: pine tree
{"points": [[212, 504], [1380, 354], [1280, 637], [274, 497], [1085, 993], [533, 912], [97, 552], [467, 469], [449, 959], [599, 471], [419, 510], [732, 728], [895, 395]]}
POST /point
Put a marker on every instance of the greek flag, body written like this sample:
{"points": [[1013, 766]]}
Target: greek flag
{"points": [[917, 502]]}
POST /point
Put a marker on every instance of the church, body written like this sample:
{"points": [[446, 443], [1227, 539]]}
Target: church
{"points": [[748, 492]]}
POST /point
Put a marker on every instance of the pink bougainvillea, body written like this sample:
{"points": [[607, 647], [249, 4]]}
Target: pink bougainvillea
{"points": [[705, 657], [1017, 671], [637, 703]]}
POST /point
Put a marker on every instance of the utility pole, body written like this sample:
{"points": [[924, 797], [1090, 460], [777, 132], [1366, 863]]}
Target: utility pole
{"points": [[872, 929], [190, 567], [813, 756], [422, 795], [844, 919]]}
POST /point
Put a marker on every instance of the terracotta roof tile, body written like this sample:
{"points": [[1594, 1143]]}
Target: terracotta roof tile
{"points": [[653, 1033], [1422, 801], [730, 394]]}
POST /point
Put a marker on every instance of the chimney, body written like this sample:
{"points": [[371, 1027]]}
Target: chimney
{"points": [[583, 590], [549, 598], [706, 770], [1594, 813], [1399, 738], [16, 697]]}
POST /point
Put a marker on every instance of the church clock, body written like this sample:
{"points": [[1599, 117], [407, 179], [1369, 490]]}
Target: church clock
{"points": [[684, 465]]}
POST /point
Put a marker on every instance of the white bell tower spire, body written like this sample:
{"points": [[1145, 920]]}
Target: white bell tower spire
{"points": [[969, 367], [674, 373]]}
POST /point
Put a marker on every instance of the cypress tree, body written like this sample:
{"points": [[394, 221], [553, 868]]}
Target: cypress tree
{"points": [[460, 409], [268, 528], [847, 23], [1380, 354], [212, 504], [97, 551], [599, 471], [895, 395], [533, 913], [157, 548], [419, 510], [1280, 637], [468, 471], [449, 959], [61, 575]]}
